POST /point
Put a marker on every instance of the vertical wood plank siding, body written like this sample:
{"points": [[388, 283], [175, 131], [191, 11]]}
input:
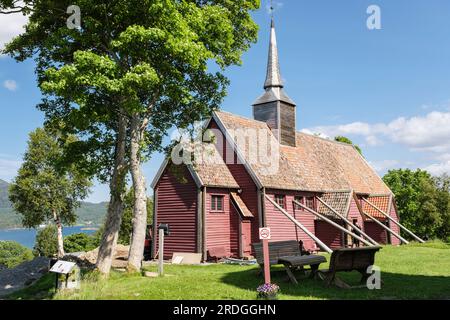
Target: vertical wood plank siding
{"points": [[222, 228], [177, 206]]}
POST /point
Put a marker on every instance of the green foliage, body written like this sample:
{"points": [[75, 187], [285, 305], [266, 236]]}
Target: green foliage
{"points": [[154, 59], [126, 228], [442, 184], [348, 141], [46, 244], [43, 190], [12, 254], [422, 202], [79, 242], [4, 201]]}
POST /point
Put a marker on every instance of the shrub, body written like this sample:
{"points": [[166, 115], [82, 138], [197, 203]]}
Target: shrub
{"points": [[46, 242], [79, 242], [12, 254]]}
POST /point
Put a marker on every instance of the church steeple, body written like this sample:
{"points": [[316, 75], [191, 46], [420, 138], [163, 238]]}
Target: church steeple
{"points": [[273, 76], [275, 107]]}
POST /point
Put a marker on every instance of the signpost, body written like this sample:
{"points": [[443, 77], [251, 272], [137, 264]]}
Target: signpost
{"points": [[164, 229], [67, 275], [264, 236]]}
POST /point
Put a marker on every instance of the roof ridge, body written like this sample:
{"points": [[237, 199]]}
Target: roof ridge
{"points": [[325, 139], [242, 117]]}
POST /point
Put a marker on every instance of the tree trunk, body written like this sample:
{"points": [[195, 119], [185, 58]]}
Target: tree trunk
{"points": [[140, 199], [116, 206], [60, 235]]}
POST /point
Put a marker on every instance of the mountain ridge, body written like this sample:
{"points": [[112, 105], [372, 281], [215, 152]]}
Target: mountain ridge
{"points": [[88, 213]]}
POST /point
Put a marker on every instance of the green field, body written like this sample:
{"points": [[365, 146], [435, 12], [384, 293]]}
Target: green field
{"points": [[408, 272]]}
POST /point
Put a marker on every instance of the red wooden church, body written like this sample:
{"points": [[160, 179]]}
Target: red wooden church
{"points": [[219, 205]]}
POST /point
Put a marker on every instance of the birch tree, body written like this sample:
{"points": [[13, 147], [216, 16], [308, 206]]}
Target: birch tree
{"points": [[45, 191]]}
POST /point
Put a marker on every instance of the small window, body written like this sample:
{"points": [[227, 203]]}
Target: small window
{"points": [[298, 199], [217, 203], [309, 202], [280, 200]]}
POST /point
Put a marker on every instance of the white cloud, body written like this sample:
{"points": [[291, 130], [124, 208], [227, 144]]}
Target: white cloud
{"points": [[373, 141], [12, 25], [8, 168], [316, 133], [11, 85], [383, 165], [421, 133], [439, 168]]}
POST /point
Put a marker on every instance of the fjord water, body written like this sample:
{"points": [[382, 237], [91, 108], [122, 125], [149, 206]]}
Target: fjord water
{"points": [[27, 237]]}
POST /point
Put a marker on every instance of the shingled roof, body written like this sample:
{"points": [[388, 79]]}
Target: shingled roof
{"points": [[339, 201], [315, 164], [382, 202], [212, 171]]}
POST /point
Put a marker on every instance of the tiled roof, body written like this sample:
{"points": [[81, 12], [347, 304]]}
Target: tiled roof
{"points": [[212, 171], [381, 202], [246, 213], [339, 201], [315, 164]]}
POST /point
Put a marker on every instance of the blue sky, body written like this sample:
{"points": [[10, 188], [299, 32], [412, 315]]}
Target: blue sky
{"points": [[388, 89]]}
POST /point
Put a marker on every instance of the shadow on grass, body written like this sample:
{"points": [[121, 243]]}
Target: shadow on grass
{"points": [[395, 286]]}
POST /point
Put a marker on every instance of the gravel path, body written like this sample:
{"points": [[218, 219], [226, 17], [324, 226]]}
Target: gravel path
{"points": [[23, 275]]}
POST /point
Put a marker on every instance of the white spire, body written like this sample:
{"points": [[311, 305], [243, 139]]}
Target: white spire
{"points": [[273, 77]]}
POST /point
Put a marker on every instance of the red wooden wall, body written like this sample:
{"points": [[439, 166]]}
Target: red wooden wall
{"points": [[377, 233], [249, 190], [329, 234], [177, 206], [222, 228], [394, 227], [284, 229]]}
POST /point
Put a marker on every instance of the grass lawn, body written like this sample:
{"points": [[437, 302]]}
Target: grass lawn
{"points": [[412, 271]]}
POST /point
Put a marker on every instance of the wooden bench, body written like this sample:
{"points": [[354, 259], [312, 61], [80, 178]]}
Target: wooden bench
{"points": [[289, 254], [346, 260]]}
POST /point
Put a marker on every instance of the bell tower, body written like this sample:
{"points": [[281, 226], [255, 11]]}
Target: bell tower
{"points": [[275, 107]]}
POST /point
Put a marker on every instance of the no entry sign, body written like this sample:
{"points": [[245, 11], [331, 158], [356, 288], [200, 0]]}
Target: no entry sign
{"points": [[264, 233]]}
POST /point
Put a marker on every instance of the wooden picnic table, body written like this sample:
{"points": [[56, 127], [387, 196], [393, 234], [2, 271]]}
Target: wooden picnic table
{"points": [[292, 263], [289, 254]]}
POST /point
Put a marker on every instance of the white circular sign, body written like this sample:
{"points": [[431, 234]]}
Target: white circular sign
{"points": [[264, 233]]}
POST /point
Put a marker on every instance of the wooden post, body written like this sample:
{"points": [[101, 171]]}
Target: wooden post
{"points": [[161, 253], [385, 227], [334, 224], [266, 261], [348, 221], [393, 220], [298, 224]]}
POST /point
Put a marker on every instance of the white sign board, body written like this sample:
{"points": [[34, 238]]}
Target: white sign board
{"points": [[63, 267], [264, 233]]}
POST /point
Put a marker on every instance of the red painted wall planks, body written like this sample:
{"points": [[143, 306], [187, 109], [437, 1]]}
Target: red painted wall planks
{"points": [[249, 190], [222, 228], [284, 229], [177, 206]]}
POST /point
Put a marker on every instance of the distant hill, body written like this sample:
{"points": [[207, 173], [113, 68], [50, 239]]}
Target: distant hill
{"points": [[88, 213], [4, 202]]}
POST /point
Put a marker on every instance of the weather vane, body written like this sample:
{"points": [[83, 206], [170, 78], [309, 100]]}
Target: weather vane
{"points": [[271, 8]]}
